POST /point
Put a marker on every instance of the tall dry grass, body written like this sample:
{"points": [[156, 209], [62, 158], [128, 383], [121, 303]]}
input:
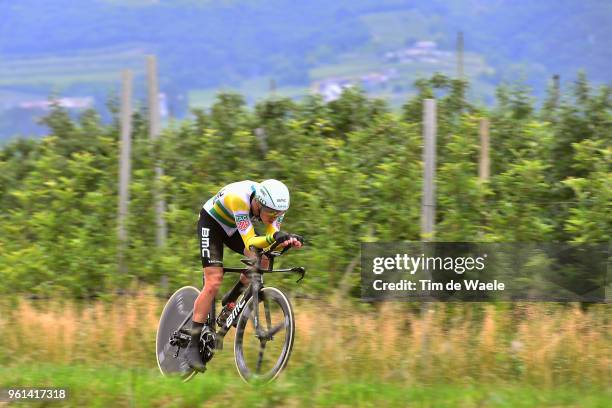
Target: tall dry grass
{"points": [[541, 344]]}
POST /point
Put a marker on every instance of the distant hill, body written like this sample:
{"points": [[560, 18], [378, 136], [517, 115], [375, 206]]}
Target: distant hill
{"points": [[78, 48]]}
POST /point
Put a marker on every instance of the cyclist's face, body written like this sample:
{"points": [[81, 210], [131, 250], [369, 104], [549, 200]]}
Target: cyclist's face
{"points": [[268, 215]]}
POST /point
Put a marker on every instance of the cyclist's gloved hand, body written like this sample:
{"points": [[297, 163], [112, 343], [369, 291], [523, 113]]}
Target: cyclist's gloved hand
{"points": [[280, 237], [298, 237]]}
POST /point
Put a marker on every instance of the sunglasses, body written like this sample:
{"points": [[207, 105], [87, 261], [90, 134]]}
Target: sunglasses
{"points": [[271, 212]]}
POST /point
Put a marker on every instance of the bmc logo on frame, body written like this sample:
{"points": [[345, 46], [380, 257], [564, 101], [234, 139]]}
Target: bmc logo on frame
{"points": [[235, 312]]}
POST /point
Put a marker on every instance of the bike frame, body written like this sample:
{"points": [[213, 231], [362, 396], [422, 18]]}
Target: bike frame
{"points": [[255, 273]]}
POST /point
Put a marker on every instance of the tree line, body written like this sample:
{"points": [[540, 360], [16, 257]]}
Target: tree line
{"points": [[353, 166]]}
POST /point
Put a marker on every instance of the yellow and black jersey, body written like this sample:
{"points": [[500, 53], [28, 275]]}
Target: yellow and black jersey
{"points": [[231, 208]]}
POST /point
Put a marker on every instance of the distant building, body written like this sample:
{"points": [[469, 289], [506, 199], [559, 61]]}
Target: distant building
{"points": [[331, 89], [421, 51], [426, 45], [68, 103], [374, 78]]}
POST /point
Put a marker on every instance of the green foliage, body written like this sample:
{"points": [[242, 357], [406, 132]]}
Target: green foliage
{"points": [[354, 169], [461, 196], [581, 122], [591, 219]]}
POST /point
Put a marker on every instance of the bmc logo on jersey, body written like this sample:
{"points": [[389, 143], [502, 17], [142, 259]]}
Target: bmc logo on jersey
{"points": [[242, 222]]}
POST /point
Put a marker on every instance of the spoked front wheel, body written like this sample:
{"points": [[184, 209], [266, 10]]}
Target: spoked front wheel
{"points": [[260, 357]]}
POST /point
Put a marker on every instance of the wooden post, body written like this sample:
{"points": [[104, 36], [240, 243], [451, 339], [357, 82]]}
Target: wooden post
{"points": [[124, 165], [460, 55], [154, 131], [556, 89], [272, 87], [260, 134], [428, 207], [484, 166]]}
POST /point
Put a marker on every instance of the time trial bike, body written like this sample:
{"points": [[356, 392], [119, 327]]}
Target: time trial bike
{"points": [[263, 318]]}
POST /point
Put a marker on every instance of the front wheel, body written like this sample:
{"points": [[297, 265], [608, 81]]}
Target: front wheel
{"points": [[260, 357]]}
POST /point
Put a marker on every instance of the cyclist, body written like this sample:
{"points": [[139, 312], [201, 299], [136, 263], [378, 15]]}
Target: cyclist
{"points": [[233, 209]]}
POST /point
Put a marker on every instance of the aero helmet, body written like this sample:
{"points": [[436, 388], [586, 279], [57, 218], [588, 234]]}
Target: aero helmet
{"points": [[273, 194]]}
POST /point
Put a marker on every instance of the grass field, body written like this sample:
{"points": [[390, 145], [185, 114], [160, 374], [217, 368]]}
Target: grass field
{"points": [[103, 65], [105, 386], [254, 90], [345, 354]]}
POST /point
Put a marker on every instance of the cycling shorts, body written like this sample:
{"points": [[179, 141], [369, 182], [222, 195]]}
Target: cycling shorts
{"points": [[211, 237]]}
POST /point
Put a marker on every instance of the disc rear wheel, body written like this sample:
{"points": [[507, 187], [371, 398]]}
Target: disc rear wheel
{"points": [[176, 310]]}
